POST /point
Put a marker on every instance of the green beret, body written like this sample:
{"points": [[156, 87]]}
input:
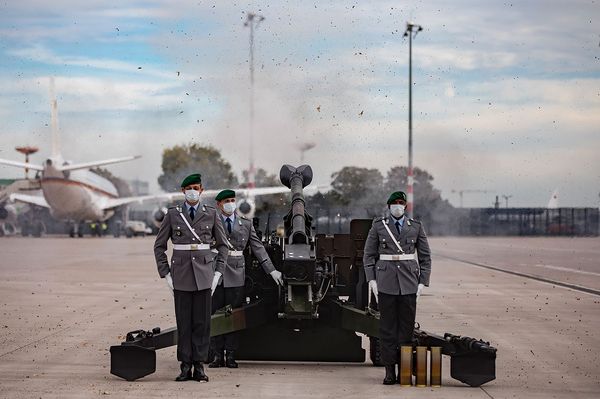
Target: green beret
{"points": [[192, 179], [396, 196], [224, 195]]}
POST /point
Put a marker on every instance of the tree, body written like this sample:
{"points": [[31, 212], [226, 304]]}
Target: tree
{"points": [[262, 178], [429, 205], [267, 203], [183, 160], [357, 186]]}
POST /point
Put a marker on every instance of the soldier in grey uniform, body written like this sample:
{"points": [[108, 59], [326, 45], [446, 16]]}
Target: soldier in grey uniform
{"points": [[230, 291], [395, 277], [193, 272]]}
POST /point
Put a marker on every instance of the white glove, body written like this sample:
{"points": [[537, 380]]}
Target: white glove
{"points": [[215, 282], [276, 274], [373, 286], [420, 289], [169, 281]]}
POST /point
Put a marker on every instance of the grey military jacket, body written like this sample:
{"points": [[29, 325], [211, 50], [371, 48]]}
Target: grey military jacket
{"points": [[397, 277], [191, 270], [242, 235]]}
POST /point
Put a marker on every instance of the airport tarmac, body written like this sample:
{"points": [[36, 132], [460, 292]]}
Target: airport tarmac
{"points": [[64, 302]]}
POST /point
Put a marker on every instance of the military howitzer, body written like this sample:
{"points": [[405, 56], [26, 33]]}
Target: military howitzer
{"points": [[316, 314]]}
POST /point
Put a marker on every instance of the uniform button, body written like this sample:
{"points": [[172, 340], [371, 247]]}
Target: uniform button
{"points": [[193, 258], [193, 239]]}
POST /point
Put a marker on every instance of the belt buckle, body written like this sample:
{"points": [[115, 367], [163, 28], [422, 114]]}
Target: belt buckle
{"points": [[193, 247], [395, 257]]}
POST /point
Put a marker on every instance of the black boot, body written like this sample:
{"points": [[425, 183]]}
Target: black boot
{"points": [[230, 361], [186, 372], [390, 375], [211, 355], [199, 374], [219, 360]]}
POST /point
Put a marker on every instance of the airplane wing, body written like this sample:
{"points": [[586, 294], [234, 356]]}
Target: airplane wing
{"points": [[29, 199], [255, 192], [21, 164], [88, 165], [115, 202]]}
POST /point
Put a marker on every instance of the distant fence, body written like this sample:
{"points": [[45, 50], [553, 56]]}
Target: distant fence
{"points": [[466, 221], [528, 222]]}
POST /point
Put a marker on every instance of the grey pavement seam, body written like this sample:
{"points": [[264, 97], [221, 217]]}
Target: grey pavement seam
{"points": [[486, 392], [525, 275]]}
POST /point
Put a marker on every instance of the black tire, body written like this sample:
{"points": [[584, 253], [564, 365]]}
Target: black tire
{"points": [[37, 230], [25, 229], [375, 351]]}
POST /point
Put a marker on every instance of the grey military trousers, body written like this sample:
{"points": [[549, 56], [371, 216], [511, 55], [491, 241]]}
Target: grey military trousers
{"points": [[396, 324], [192, 313]]}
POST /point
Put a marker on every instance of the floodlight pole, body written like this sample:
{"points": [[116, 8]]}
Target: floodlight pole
{"points": [[252, 20], [410, 29]]}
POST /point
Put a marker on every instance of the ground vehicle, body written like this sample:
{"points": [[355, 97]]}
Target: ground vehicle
{"points": [[134, 228]]}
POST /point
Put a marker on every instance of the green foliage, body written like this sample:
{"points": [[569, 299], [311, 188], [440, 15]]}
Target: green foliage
{"points": [[182, 160], [354, 185], [366, 190], [262, 178], [429, 205], [267, 203]]}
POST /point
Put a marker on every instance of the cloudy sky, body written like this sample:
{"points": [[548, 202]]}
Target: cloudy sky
{"points": [[506, 94]]}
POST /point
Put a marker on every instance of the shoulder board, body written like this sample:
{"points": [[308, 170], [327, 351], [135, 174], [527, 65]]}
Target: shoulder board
{"points": [[378, 219], [176, 207], [208, 206], [242, 217], [414, 220]]}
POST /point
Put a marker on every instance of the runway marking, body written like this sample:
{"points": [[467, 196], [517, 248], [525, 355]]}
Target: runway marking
{"points": [[530, 276], [486, 392], [566, 269], [505, 245]]}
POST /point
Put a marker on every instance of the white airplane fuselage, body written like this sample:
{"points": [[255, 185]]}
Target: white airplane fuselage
{"points": [[76, 195]]}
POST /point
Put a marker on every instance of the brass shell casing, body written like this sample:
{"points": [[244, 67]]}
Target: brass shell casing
{"points": [[435, 367], [421, 367], [405, 369]]}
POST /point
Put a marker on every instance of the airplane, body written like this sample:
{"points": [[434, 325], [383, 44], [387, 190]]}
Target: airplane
{"points": [[71, 191]]}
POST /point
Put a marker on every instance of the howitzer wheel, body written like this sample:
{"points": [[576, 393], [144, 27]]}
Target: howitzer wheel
{"points": [[375, 351]]}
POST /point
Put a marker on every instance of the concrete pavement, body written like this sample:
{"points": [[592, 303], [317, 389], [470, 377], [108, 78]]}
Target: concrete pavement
{"points": [[64, 302]]}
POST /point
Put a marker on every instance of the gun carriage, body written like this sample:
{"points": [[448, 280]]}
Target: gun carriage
{"points": [[318, 312]]}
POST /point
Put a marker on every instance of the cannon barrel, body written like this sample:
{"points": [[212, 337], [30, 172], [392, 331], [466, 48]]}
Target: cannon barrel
{"points": [[296, 179]]}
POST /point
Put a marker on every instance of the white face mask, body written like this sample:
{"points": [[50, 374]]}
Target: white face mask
{"points": [[397, 210], [192, 195], [229, 207]]}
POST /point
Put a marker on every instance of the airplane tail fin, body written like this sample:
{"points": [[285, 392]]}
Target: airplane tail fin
{"points": [[553, 202], [54, 120]]}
